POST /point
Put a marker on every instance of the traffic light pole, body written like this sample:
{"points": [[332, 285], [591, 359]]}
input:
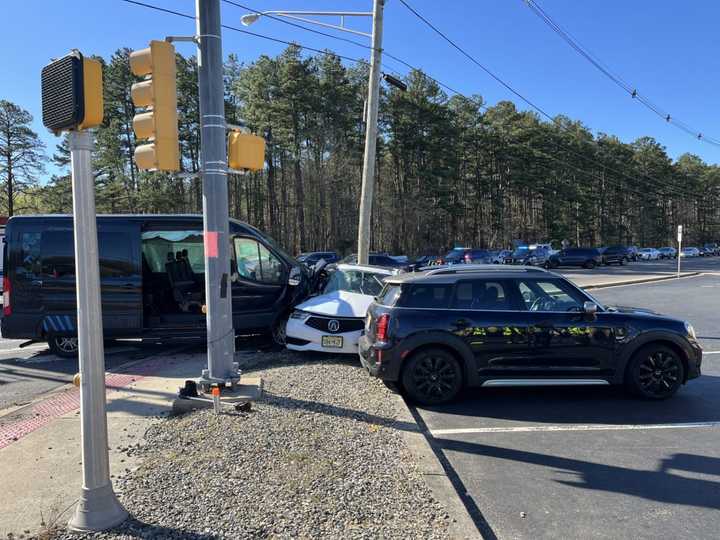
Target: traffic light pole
{"points": [[98, 508], [368, 177], [218, 298]]}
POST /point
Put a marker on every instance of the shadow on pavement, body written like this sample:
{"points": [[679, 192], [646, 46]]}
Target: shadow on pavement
{"points": [[698, 401], [655, 485]]}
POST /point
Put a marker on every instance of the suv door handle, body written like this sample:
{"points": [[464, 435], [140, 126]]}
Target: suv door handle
{"points": [[462, 323], [36, 282]]}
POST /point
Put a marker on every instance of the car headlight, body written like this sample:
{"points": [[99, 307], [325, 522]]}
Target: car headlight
{"points": [[690, 330], [300, 315]]}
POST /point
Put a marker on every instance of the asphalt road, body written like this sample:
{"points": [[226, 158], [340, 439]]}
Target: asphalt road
{"points": [[593, 462]]}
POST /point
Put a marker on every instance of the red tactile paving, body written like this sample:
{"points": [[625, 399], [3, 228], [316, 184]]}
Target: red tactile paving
{"points": [[67, 401]]}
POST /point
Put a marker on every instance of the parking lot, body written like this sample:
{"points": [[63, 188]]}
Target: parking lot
{"points": [[594, 462]]}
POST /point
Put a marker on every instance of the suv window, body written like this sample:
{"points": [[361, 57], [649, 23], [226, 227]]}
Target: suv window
{"points": [[255, 262], [426, 296], [481, 294], [389, 295], [549, 295]]}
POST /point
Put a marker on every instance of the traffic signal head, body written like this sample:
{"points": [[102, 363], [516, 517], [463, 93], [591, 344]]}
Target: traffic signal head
{"points": [[246, 151], [158, 95], [72, 93]]}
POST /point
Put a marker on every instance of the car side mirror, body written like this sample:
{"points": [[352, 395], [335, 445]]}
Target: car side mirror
{"points": [[590, 308], [294, 277]]}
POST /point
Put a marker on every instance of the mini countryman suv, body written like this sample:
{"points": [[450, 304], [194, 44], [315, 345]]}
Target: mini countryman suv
{"points": [[433, 333]]}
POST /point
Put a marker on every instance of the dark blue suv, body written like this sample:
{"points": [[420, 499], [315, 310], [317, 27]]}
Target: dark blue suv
{"points": [[438, 331]]}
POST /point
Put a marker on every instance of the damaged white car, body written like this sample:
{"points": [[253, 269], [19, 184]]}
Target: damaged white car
{"points": [[334, 320]]}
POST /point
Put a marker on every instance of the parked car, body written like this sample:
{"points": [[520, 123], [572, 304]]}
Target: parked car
{"points": [[689, 252], [584, 257], [152, 279], [616, 255], [377, 259], [530, 257], [648, 254], [712, 249], [704, 252], [632, 253], [667, 252], [436, 332], [498, 256], [467, 256], [312, 258], [422, 261], [334, 320]]}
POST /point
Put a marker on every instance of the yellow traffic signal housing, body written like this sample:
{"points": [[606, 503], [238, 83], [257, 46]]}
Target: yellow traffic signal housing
{"points": [[246, 151], [158, 94], [92, 93], [72, 93]]}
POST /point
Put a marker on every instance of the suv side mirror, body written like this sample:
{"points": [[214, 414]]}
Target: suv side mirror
{"points": [[590, 308]]}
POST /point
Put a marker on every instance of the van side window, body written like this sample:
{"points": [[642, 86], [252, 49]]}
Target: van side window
{"points": [[55, 257], [158, 247], [58, 254], [255, 262], [116, 258], [29, 254]]}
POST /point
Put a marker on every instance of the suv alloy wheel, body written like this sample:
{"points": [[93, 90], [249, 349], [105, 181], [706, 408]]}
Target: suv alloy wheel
{"points": [[655, 372], [432, 377]]}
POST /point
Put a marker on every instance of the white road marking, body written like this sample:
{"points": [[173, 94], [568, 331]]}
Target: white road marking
{"points": [[710, 352], [28, 348], [573, 427]]}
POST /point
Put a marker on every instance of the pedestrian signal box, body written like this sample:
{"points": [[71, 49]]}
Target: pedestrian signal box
{"points": [[72, 93]]}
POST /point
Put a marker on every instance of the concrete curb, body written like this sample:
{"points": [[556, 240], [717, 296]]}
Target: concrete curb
{"points": [[462, 525], [637, 281]]}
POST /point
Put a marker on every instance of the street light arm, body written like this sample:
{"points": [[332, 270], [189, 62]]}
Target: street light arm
{"points": [[250, 18]]}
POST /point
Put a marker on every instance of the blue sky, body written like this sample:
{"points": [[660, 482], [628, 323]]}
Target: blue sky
{"points": [[667, 49]]}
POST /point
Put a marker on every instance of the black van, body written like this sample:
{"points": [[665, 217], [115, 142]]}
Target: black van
{"points": [[152, 279]]}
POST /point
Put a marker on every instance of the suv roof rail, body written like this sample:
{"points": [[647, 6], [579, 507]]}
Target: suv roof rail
{"points": [[468, 268]]}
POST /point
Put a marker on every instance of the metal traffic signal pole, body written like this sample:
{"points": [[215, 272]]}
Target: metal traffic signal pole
{"points": [[98, 508], [368, 177], [220, 331]]}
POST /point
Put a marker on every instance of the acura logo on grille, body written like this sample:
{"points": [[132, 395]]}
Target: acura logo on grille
{"points": [[333, 325]]}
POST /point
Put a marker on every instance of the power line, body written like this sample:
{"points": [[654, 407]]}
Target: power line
{"points": [[659, 184], [626, 87], [247, 32], [513, 90]]}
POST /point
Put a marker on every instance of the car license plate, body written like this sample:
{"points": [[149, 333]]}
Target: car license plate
{"points": [[332, 342]]}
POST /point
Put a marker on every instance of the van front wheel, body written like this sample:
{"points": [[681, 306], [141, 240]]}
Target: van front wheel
{"points": [[63, 346]]}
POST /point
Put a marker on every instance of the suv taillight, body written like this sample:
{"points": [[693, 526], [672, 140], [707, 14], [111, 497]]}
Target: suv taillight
{"points": [[381, 327], [7, 310]]}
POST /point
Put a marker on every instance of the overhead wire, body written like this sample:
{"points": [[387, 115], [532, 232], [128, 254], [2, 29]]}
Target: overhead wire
{"points": [[631, 90], [427, 22], [669, 189]]}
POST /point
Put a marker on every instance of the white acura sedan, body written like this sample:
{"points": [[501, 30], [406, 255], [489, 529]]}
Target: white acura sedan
{"points": [[334, 320]]}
